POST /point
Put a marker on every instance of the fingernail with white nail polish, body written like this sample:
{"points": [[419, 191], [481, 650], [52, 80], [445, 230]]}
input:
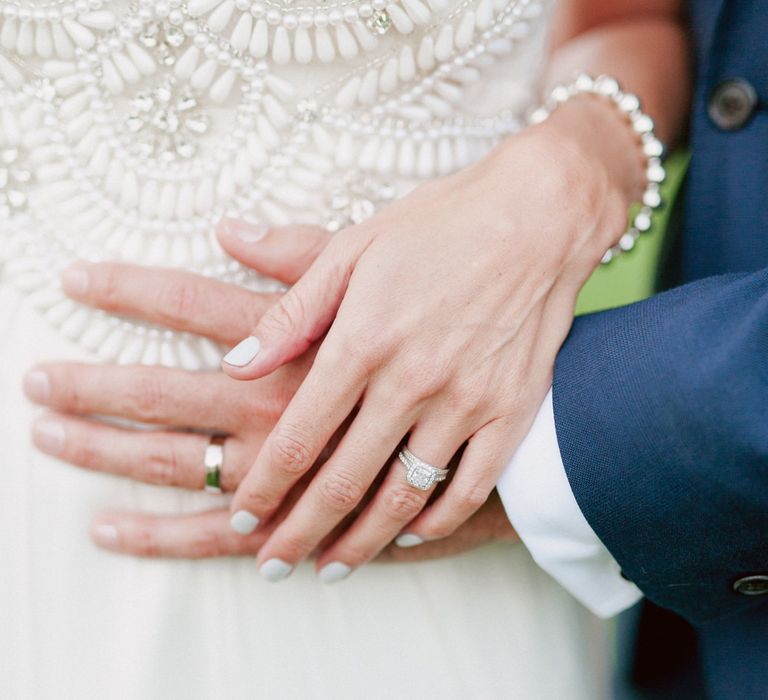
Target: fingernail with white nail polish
{"points": [[244, 522], [37, 386], [245, 231], [333, 572], [408, 540], [105, 535], [49, 436], [275, 569], [243, 352], [74, 280]]}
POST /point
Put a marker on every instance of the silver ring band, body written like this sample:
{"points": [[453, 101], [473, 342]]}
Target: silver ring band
{"points": [[214, 461], [418, 473]]}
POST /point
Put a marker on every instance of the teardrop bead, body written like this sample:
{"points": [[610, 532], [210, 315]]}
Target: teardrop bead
{"points": [[425, 164], [438, 107], [426, 54], [281, 46], [417, 11], [256, 151], [388, 77], [203, 75], [385, 161], [223, 86], [102, 20], [225, 186], [369, 153], [324, 45], [220, 17], [204, 195], [345, 152], [196, 8], [187, 62], [465, 30], [132, 351], [302, 46], [143, 61], [129, 193], [83, 37], [444, 157], [347, 96], [346, 42], [269, 136], [111, 77], [400, 19], [241, 34], [444, 43], [43, 40], [407, 67], [185, 201], [406, 158], [167, 202], [282, 89], [275, 112], [369, 87], [367, 40], [149, 198], [61, 42], [25, 41], [259, 40], [127, 68], [9, 33], [438, 5], [484, 14]]}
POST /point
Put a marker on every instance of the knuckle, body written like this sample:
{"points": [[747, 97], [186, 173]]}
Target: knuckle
{"points": [[291, 452], [144, 542], [163, 463], [105, 284], [146, 396], [286, 315], [207, 543], [340, 491], [294, 547], [178, 298], [354, 555], [257, 502], [86, 454], [440, 530], [423, 381], [402, 503], [473, 497]]}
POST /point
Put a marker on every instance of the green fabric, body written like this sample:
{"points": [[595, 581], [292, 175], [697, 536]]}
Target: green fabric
{"points": [[632, 276]]}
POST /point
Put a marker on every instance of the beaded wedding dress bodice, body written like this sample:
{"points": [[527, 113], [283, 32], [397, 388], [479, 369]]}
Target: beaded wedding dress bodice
{"points": [[128, 130]]}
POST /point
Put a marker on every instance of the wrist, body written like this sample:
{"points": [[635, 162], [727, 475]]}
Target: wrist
{"points": [[591, 127]]}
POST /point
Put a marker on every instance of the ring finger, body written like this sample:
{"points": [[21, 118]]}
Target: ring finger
{"points": [[434, 440], [166, 458]]}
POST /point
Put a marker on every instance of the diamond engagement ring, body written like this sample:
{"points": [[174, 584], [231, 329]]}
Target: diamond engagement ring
{"points": [[214, 461], [418, 473]]}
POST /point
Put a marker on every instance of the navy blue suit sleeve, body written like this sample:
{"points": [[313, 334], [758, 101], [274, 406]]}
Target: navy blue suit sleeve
{"points": [[661, 411]]}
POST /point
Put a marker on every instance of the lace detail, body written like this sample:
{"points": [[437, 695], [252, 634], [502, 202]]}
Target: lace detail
{"points": [[127, 132]]}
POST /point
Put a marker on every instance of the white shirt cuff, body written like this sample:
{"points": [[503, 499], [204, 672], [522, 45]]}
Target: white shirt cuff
{"points": [[543, 510]]}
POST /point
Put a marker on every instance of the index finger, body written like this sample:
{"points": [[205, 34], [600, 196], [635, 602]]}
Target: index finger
{"points": [[175, 299]]}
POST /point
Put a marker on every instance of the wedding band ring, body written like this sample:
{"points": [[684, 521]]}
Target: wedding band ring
{"points": [[418, 473], [214, 461]]}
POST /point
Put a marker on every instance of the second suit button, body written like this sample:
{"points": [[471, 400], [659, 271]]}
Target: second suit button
{"points": [[732, 104], [752, 585]]}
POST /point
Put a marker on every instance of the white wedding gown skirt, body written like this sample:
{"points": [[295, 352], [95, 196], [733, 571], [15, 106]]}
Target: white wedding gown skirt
{"points": [[126, 131]]}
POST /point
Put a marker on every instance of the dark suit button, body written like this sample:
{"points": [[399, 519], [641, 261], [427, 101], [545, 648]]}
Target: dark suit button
{"points": [[752, 585], [732, 103]]}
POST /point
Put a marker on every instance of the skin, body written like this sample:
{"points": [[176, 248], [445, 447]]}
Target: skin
{"points": [[175, 401], [445, 332], [471, 360]]}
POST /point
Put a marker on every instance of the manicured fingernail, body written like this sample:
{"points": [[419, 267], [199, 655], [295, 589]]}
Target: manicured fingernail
{"points": [[275, 569], [244, 522], [49, 436], [243, 352], [333, 572], [244, 230], [408, 540], [105, 535], [37, 386], [74, 280]]}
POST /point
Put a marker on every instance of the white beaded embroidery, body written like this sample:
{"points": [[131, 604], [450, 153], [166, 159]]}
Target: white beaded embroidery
{"points": [[127, 132]]}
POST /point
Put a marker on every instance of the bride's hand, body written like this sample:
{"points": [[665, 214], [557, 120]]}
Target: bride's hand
{"points": [[177, 400], [443, 314]]}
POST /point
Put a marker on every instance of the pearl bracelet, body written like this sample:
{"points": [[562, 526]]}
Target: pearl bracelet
{"points": [[629, 105]]}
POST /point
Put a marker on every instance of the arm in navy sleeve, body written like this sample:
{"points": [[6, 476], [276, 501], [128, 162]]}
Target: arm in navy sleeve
{"points": [[661, 411]]}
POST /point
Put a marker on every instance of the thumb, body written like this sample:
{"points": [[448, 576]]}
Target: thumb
{"points": [[281, 252], [300, 316]]}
